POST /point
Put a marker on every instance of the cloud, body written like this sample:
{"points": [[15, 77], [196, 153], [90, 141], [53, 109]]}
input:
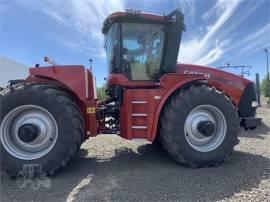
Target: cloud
{"points": [[216, 37], [254, 42], [206, 49], [83, 17], [221, 32], [215, 10]]}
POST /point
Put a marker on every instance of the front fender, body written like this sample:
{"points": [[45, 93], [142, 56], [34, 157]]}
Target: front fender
{"points": [[188, 81]]}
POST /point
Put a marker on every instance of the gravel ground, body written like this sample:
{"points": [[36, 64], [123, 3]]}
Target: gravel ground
{"points": [[110, 168]]}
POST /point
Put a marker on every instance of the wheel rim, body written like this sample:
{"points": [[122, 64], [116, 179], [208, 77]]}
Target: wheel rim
{"points": [[28, 132], [205, 128]]}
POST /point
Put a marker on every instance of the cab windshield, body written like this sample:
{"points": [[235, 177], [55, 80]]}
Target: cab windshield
{"points": [[142, 46]]}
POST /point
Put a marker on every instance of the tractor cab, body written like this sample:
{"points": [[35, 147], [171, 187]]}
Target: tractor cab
{"points": [[140, 46]]}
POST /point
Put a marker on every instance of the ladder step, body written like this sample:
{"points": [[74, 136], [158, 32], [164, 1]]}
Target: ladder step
{"points": [[138, 102], [138, 114], [139, 127]]}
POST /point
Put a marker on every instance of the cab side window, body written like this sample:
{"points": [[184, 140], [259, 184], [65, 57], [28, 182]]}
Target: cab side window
{"points": [[142, 50]]}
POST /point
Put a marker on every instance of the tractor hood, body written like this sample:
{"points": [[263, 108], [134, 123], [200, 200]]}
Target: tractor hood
{"points": [[232, 84], [213, 74]]}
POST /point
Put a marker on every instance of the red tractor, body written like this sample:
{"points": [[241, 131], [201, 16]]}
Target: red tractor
{"points": [[194, 112]]}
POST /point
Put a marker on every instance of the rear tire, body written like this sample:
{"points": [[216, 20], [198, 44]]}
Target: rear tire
{"points": [[184, 112], [55, 123]]}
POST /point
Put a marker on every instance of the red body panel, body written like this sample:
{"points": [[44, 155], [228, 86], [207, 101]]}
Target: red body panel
{"points": [[232, 85], [73, 77], [137, 119]]}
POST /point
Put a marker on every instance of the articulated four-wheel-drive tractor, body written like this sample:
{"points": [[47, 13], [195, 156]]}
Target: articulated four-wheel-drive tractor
{"points": [[194, 112]]}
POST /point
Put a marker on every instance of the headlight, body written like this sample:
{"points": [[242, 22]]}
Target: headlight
{"points": [[254, 104]]}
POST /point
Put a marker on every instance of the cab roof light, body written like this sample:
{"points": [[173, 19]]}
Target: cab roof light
{"points": [[130, 11], [137, 12]]}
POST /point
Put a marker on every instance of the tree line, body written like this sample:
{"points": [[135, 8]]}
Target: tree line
{"points": [[264, 87]]}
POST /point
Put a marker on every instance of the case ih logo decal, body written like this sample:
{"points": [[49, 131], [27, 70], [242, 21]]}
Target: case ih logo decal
{"points": [[197, 73]]}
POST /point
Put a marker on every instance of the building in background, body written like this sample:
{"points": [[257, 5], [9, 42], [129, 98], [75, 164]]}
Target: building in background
{"points": [[10, 69]]}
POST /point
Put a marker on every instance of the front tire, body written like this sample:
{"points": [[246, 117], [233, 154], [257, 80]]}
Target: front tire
{"points": [[40, 126], [199, 126]]}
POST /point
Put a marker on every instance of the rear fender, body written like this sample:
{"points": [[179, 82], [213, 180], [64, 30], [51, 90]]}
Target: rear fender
{"points": [[75, 78], [78, 82]]}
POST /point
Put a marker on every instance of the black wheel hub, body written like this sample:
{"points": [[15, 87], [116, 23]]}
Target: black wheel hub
{"points": [[206, 128], [28, 132]]}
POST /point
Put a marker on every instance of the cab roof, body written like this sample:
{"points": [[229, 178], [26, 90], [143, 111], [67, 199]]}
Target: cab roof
{"points": [[133, 16]]}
